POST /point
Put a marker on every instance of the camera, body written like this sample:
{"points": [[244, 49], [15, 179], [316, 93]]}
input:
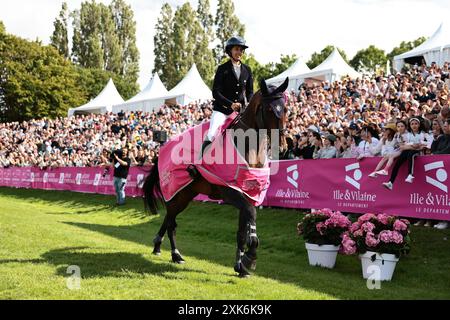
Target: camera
{"points": [[105, 172], [117, 152], [160, 136]]}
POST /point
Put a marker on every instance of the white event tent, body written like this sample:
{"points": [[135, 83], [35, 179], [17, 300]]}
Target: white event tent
{"points": [[299, 67], [434, 49], [146, 100], [103, 103], [331, 69], [191, 88]]}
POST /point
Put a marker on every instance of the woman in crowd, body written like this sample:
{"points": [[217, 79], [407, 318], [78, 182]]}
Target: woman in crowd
{"points": [[328, 151], [345, 147], [413, 146], [367, 147], [389, 147]]}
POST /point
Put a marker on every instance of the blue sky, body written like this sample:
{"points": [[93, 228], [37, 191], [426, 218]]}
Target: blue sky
{"points": [[272, 27]]}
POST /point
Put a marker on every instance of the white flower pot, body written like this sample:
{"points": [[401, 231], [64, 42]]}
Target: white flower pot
{"points": [[323, 256], [382, 268]]}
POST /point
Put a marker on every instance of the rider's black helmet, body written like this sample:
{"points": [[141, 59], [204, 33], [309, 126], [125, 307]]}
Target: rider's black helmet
{"points": [[235, 41]]}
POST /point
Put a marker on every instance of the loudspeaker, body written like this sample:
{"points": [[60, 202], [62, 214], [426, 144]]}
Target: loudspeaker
{"points": [[160, 136]]}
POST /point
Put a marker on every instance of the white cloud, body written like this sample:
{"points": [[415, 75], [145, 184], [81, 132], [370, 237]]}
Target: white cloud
{"points": [[272, 27]]}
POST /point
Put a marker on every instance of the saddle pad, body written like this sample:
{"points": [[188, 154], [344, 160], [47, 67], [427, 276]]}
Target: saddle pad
{"points": [[221, 164]]}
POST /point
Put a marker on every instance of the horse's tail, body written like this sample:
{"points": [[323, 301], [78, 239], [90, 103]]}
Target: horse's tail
{"points": [[152, 190]]}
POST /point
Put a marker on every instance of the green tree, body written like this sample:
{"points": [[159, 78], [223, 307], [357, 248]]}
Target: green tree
{"points": [[188, 43], [227, 25], [87, 42], [125, 25], [204, 56], [60, 36], [405, 46], [285, 62], [369, 59], [2, 27], [110, 46], [95, 43], [92, 81], [183, 42], [259, 70], [205, 17], [163, 43], [104, 38], [35, 81], [318, 57]]}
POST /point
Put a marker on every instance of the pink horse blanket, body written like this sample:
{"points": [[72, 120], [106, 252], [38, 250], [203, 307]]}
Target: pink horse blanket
{"points": [[221, 164]]}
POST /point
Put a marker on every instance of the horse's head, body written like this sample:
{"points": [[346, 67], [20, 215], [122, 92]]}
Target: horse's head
{"points": [[271, 108]]}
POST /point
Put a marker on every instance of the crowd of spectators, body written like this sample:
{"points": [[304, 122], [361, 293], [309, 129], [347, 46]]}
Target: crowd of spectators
{"points": [[89, 140], [343, 119]]}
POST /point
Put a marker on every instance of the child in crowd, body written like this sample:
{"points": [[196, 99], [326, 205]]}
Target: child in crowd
{"points": [[394, 136], [417, 140]]}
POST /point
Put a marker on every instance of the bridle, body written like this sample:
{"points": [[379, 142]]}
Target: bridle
{"points": [[277, 110]]}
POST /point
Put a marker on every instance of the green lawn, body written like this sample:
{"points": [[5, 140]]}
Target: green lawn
{"points": [[44, 232]]}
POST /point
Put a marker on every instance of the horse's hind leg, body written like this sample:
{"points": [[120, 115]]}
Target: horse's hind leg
{"points": [[159, 238], [174, 207]]}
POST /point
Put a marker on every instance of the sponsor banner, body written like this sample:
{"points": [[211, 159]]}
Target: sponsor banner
{"points": [[86, 180], [338, 184], [345, 185], [16, 177]]}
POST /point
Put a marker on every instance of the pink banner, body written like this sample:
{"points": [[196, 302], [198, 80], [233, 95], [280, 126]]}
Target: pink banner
{"points": [[86, 180], [344, 184], [338, 184]]}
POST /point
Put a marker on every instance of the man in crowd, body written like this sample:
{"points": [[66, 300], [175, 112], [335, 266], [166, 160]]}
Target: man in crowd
{"points": [[442, 144], [121, 167]]}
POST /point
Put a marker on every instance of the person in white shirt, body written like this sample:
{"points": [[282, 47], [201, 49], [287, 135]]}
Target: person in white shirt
{"points": [[368, 144], [328, 151], [386, 146], [416, 142]]}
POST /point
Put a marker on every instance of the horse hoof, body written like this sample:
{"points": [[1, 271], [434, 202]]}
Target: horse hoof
{"points": [[156, 253], [244, 275], [178, 259], [241, 270], [249, 263]]}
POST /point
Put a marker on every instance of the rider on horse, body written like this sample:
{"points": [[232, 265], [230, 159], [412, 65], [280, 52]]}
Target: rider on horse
{"points": [[232, 88]]}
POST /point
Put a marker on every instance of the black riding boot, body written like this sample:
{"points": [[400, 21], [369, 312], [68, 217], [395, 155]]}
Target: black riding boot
{"points": [[204, 145]]}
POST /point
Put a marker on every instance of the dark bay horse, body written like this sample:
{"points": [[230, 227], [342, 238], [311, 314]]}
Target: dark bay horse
{"points": [[265, 113]]}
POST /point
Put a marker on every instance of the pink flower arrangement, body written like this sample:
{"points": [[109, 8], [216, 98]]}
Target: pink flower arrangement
{"points": [[400, 225], [379, 233], [324, 227], [348, 245]]}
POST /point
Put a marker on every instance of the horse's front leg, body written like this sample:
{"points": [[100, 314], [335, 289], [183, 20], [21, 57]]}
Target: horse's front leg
{"points": [[249, 258], [246, 261], [240, 251]]}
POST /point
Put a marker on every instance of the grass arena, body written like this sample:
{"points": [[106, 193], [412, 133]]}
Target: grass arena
{"points": [[45, 235]]}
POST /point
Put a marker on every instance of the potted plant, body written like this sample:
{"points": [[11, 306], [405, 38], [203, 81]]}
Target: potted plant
{"points": [[380, 240], [322, 231]]}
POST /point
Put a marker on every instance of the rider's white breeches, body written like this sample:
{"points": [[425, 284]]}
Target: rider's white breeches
{"points": [[217, 120]]}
